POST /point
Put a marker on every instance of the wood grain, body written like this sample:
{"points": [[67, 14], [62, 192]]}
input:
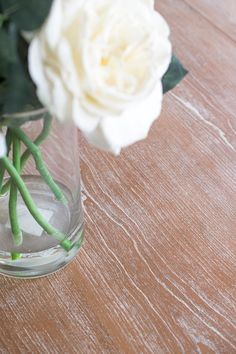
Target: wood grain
{"points": [[158, 271], [221, 14]]}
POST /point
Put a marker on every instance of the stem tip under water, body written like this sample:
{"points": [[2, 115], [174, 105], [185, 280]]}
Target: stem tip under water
{"points": [[15, 256]]}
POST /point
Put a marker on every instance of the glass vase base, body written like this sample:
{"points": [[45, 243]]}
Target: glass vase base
{"points": [[41, 264], [39, 254]]}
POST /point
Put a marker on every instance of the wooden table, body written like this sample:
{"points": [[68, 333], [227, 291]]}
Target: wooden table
{"points": [[158, 271]]}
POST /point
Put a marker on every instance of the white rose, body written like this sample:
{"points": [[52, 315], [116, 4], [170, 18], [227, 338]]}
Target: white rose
{"points": [[3, 147], [100, 63]]}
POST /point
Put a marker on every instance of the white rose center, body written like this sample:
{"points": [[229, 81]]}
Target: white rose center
{"points": [[118, 57]]}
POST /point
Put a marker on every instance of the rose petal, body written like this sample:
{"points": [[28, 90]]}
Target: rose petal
{"points": [[36, 69], [114, 133], [54, 23], [61, 102], [163, 57], [82, 119]]}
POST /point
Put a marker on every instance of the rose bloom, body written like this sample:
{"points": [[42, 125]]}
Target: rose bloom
{"points": [[100, 64]]}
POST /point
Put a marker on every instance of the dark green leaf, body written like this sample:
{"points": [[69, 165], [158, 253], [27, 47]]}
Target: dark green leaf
{"points": [[175, 73], [2, 92], [19, 90], [7, 53], [28, 15], [2, 19]]}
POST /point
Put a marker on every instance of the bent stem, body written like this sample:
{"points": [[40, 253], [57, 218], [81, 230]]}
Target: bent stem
{"points": [[2, 171], [38, 141], [15, 228], [24, 158], [41, 167], [29, 202]]}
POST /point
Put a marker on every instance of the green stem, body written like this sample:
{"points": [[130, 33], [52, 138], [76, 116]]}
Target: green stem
{"points": [[8, 140], [2, 172], [15, 256], [66, 244], [39, 140], [42, 136], [15, 228], [40, 165]]}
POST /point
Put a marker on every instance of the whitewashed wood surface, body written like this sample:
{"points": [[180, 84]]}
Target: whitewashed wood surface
{"points": [[157, 273]]}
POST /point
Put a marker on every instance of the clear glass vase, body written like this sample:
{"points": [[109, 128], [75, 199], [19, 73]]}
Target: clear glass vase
{"points": [[44, 204]]}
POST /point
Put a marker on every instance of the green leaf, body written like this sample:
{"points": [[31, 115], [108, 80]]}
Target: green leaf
{"points": [[2, 94], [175, 73], [7, 54], [3, 18], [18, 90], [28, 15]]}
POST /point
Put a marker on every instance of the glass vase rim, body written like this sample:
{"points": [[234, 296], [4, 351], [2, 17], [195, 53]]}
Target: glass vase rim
{"points": [[27, 114]]}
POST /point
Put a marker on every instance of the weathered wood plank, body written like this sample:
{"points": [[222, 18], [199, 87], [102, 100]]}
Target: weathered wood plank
{"points": [[221, 13], [157, 272]]}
